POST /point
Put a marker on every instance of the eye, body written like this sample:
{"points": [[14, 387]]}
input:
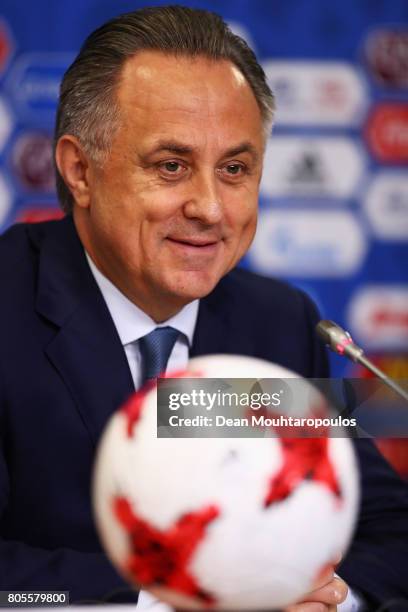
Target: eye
{"points": [[233, 170], [172, 166], [172, 169]]}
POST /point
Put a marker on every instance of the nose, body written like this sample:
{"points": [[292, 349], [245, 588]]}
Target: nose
{"points": [[204, 203]]}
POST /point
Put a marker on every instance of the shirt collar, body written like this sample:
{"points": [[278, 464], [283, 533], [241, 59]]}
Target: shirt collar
{"points": [[130, 321]]}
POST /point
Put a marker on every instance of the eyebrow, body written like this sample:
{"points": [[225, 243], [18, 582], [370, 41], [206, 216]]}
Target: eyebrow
{"points": [[243, 147], [172, 146], [179, 148]]}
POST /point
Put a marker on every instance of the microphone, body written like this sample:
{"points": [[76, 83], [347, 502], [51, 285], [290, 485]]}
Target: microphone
{"points": [[340, 342]]}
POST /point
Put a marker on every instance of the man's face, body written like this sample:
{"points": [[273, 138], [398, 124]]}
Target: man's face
{"points": [[174, 206]]}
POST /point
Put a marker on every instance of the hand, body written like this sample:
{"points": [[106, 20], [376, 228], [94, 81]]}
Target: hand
{"points": [[329, 592]]}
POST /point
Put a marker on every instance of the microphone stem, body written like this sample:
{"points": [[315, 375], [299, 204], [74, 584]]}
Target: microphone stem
{"points": [[388, 381]]}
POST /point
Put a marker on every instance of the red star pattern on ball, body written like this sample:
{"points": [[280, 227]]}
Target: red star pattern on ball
{"points": [[304, 459], [160, 557], [134, 406]]}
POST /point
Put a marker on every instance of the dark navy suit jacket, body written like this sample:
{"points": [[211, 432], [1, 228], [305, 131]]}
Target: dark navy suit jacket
{"points": [[63, 372]]}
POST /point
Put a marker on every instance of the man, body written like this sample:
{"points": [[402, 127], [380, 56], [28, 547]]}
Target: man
{"points": [[160, 138]]}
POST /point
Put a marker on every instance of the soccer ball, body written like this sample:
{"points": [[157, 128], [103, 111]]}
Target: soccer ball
{"points": [[223, 523]]}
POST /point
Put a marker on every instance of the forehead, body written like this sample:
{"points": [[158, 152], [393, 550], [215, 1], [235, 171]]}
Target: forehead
{"points": [[158, 91]]}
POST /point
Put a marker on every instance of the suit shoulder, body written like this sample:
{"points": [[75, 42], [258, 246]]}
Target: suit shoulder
{"points": [[20, 248], [20, 241], [13, 243]]}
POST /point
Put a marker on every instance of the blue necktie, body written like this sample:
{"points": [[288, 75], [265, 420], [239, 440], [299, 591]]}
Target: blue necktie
{"points": [[155, 349]]}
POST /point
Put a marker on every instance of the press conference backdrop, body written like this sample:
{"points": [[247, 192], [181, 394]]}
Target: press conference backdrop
{"points": [[334, 198]]}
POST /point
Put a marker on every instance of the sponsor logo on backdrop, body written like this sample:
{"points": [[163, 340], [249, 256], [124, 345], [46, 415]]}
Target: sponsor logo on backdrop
{"points": [[6, 124], [386, 206], [378, 316], [387, 132], [32, 161], [308, 243], [387, 56], [312, 167], [34, 82], [5, 200], [316, 93], [6, 45], [38, 213]]}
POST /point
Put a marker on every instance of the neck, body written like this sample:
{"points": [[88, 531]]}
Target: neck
{"points": [[158, 307]]}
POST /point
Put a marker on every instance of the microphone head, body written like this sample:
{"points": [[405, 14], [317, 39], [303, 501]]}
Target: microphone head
{"points": [[337, 339], [326, 329]]}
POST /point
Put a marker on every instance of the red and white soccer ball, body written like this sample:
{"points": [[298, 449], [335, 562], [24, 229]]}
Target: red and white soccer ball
{"points": [[222, 523]]}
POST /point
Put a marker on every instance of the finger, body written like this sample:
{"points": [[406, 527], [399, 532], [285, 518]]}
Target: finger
{"points": [[325, 576], [333, 593], [327, 572]]}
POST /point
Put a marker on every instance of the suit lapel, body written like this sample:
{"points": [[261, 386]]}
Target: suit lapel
{"points": [[86, 350]]}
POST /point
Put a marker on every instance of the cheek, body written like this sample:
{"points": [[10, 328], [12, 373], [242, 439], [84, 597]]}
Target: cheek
{"points": [[243, 213], [135, 195], [156, 205], [248, 233]]}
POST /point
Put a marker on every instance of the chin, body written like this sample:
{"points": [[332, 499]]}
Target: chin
{"points": [[193, 286]]}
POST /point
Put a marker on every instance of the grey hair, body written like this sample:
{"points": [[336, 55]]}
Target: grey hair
{"points": [[88, 107]]}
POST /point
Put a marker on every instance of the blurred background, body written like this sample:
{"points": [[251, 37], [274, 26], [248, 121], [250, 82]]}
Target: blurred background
{"points": [[334, 198]]}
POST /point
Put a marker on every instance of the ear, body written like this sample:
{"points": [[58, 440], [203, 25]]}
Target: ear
{"points": [[74, 167]]}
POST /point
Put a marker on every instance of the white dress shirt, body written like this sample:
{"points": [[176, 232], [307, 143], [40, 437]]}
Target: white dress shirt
{"points": [[132, 324]]}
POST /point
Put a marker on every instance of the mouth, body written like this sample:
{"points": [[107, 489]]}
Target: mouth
{"points": [[195, 245], [205, 249]]}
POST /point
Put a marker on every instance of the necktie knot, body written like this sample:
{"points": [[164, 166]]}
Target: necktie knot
{"points": [[155, 349]]}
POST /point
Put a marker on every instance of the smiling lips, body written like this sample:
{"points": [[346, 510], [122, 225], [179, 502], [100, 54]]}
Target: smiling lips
{"points": [[199, 243]]}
